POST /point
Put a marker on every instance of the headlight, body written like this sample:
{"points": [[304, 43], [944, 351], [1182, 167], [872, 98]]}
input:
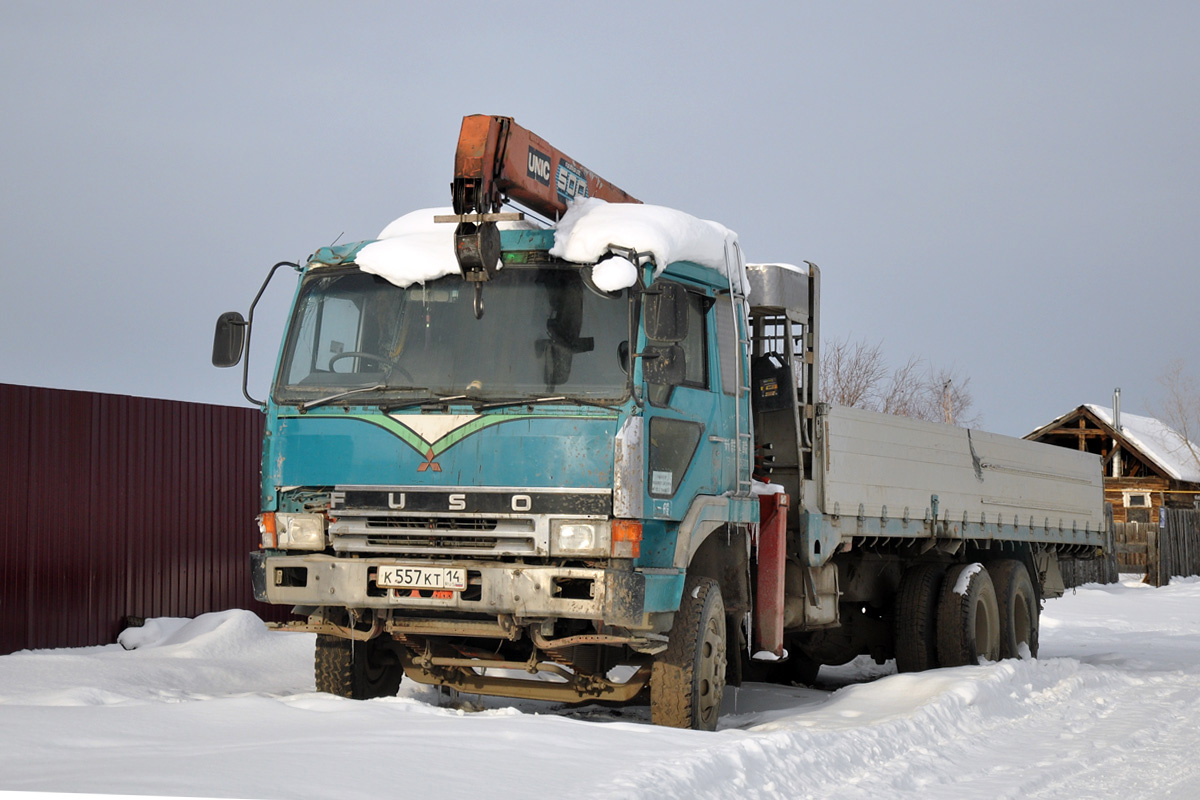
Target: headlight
{"points": [[300, 531], [570, 537]]}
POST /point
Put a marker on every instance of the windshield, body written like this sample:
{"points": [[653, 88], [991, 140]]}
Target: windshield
{"points": [[542, 333]]}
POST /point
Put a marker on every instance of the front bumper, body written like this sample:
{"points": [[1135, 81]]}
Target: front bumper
{"points": [[618, 597]]}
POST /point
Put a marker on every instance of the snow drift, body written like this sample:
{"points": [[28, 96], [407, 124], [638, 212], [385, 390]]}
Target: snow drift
{"points": [[219, 707]]}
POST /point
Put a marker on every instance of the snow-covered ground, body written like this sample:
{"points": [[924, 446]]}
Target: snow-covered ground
{"points": [[218, 707]]}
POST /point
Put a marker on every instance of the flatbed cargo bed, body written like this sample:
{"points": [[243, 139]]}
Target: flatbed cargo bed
{"points": [[873, 474]]}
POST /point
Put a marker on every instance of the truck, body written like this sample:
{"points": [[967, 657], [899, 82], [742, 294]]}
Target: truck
{"points": [[585, 460]]}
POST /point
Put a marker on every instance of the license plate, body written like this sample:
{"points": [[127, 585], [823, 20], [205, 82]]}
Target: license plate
{"points": [[400, 576]]}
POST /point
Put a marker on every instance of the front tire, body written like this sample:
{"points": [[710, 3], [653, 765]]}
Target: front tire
{"points": [[357, 670], [687, 680]]}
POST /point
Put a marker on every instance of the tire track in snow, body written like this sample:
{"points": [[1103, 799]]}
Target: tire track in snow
{"points": [[943, 732]]}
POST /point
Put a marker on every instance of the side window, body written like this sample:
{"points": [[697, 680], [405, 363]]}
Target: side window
{"points": [[673, 442], [695, 346], [727, 345]]}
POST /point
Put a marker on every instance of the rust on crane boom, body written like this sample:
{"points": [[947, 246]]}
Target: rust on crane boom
{"points": [[497, 160]]}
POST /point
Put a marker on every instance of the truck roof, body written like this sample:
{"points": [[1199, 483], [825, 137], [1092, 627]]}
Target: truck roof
{"points": [[415, 249]]}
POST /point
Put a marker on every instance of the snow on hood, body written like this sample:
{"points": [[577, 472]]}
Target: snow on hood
{"points": [[415, 249], [590, 225], [1162, 444]]}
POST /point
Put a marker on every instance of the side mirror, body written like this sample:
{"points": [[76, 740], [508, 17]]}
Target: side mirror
{"points": [[666, 315], [228, 339], [664, 365]]}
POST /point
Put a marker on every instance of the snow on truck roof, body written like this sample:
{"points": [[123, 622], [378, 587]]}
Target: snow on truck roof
{"points": [[412, 249], [415, 249]]}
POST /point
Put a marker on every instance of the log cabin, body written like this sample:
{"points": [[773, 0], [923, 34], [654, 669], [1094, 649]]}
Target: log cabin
{"points": [[1147, 465]]}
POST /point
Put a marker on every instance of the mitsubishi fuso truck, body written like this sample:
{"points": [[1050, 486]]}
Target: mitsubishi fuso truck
{"points": [[582, 458]]}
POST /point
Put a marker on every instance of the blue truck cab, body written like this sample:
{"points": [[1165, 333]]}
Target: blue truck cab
{"points": [[532, 473]]}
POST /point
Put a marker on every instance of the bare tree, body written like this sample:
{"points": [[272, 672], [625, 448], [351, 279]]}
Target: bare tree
{"points": [[1179, 408], [857, 374], [851, 372], [948, 398], [904, 392]]}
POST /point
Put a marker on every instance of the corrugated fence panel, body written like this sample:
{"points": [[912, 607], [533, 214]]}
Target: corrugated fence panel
{"points": [[14, 498], [122, 506]]}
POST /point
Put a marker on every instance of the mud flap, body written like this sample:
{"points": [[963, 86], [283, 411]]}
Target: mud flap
{"points": [[258, 575], [625, 599]]}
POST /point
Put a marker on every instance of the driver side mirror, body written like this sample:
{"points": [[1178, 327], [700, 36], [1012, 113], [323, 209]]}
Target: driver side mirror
{"points": [[664, 364], [228, 339]]}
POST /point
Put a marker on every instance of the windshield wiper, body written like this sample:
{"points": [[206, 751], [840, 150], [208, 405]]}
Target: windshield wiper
{"points": [[482, 405], [531, 401], [432, 401], [311, 404]]}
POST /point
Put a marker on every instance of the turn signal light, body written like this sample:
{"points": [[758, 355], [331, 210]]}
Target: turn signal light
{"points": [[266, 529], [626, 538]]}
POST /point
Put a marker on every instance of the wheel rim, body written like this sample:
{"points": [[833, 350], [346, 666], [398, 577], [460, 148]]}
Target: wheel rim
{"points": [[987, 630], [710, 677], [1022, 627]]}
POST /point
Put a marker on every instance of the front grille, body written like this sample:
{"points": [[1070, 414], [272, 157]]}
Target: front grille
{"points": [[433, 523], [433, 541], [436, 535]]}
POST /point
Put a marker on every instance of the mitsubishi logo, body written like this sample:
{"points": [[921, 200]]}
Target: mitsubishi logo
{"points": [[429, 463]]}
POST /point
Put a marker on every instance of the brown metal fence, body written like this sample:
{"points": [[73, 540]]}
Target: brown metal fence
{"points": [[121, 506]]}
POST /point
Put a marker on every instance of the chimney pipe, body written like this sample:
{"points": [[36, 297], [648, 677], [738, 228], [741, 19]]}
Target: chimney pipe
{"points": [[1116, 460]]}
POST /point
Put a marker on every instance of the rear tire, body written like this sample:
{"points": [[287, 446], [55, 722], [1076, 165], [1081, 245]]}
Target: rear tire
{"points": [[687, 680], [916, 617], [1019, 611], [968, 626], [357, 670]]}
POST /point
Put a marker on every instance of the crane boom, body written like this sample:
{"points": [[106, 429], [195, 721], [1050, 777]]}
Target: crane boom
{"points": [[498, 159]]}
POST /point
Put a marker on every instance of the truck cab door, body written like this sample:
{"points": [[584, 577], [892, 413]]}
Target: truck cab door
{"points": [[689, 425]]}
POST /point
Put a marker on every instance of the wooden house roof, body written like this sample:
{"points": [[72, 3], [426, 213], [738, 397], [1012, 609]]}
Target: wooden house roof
{"points": [[1156, 448]]}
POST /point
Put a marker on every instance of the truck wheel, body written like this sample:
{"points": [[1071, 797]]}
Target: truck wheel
{"points": [[1019, 610], [358, 670], [688, 678], [916, 613], [968, 626]]}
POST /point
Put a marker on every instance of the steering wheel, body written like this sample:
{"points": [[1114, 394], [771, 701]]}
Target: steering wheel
{"points": [[388, 366], [380, 360]]}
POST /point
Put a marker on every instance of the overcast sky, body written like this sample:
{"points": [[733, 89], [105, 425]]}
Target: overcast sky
{"points": [[1011, 189]]}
